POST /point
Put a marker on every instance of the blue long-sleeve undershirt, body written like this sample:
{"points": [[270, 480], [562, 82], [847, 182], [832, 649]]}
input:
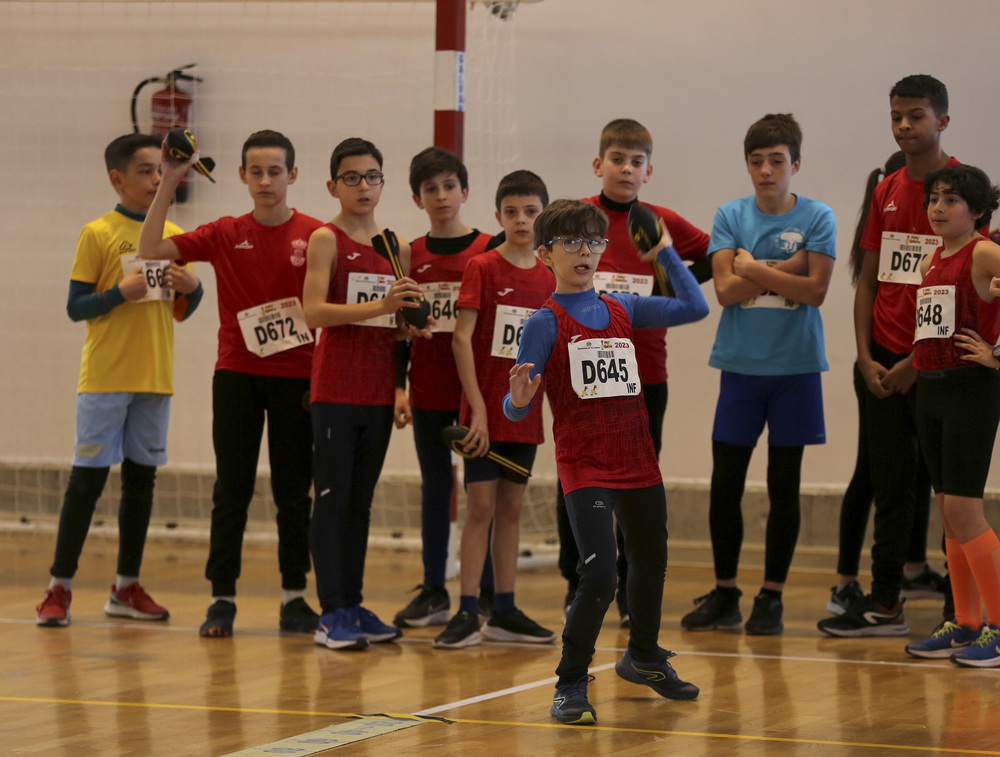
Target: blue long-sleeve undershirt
{"points": [[83, 303], [540, 331]]}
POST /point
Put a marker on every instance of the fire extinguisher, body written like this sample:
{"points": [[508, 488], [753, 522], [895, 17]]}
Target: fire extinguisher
{"points": [[170, 108]]}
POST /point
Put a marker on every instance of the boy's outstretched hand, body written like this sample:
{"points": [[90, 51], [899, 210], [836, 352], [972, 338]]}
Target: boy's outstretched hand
{"points": [[523, 388]]}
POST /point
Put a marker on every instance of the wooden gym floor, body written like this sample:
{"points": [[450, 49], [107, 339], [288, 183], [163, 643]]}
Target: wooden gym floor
{"points": [[110, 687]]}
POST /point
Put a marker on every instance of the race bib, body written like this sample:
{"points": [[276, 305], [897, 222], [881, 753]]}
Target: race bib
{"points": [[603, 368], [606, 282], [365, 287], [507, 330], [274, 327], [935, 312], [771, 300], [153, 271], [442, 296], [900, 255]]}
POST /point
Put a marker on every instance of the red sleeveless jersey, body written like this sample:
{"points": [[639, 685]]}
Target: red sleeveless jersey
{"points": [[599, 442], [970, 311], [489, 283], [353, 363], [434, 382]]}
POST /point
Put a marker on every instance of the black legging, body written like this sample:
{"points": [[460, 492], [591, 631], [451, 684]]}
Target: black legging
{"points": [[350, 443], [655, 398], [642, 515], [134, 510], [725, 515], [856, 505]]}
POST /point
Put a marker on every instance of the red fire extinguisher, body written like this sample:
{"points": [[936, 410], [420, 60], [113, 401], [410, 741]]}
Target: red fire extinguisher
{"points": [[170, 108]]}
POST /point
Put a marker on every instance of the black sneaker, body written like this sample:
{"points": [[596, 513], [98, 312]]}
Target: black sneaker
{"points": [[514, 625], [485, 605], [431, 607], [462, 631], [218, 620], [298, 617], [659, 676], [841, 600], [719, 609], [765, 619], [570, 705], [867, 619], [928, 585]]}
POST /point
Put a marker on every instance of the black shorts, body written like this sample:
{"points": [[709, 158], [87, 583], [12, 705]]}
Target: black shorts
{"points": [[483, 469], [957, 415]]}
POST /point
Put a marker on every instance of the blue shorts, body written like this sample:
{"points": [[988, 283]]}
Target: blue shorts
{"points": [[115, 425], [792, 407], [483, 469]]}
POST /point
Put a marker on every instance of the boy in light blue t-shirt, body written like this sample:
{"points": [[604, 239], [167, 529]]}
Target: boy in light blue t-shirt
{"points": [[772, 256]]}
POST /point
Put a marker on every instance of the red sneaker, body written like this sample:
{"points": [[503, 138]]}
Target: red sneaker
{"points": [[54, 609], [132, 601]]}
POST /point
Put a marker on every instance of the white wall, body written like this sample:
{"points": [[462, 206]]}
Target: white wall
{"points": [[697, 74]]}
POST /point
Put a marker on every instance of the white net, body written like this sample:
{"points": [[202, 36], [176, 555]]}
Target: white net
{"points": [[317, 71]]}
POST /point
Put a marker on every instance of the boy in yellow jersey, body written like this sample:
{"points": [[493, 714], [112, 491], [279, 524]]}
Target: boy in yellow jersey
{"points": [[126, 379]]}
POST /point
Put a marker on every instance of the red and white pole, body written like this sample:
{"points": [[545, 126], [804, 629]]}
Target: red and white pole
{"points": [[449, 76]]}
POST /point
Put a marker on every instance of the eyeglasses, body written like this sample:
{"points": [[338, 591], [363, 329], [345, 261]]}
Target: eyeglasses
{"points": [[596, 246], [353, 178]]}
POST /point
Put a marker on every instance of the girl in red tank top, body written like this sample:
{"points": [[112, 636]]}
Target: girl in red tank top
{"points": [[958, 405]]}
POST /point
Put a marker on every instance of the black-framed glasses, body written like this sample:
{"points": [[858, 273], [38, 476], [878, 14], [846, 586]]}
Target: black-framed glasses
{"points": [[596, 246], [353, 178]]}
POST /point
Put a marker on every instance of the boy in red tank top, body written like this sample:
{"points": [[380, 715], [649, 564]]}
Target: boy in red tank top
{"points": [[583, 344], [500, 289], [350, 293], [440, 184]]}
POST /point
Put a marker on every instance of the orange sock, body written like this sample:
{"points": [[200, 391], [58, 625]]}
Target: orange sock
{"points": [[968, 610], [983, 554]]}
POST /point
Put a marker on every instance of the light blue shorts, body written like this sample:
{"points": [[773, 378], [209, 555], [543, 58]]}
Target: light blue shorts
{"points": [[115, 425]]}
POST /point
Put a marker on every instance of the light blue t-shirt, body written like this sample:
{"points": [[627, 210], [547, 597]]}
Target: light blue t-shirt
{"points": [[769, 335]]}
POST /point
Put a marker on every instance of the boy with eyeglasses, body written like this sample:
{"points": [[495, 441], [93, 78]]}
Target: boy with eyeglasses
{"points": [[500, 289], [624, 165], [582, 342], [350, 292], [259, 261]]}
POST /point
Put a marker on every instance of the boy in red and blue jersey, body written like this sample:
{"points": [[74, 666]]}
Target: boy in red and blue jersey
{"points": [[583, 345]]}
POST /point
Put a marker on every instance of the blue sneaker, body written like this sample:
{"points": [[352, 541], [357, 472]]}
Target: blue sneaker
{"points": [[659, 676], [948, 637], [370, 625], [984, 652], [570, 705], [338, 630]]}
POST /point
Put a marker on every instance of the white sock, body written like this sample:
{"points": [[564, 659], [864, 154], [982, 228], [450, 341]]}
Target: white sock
{"points": [[122, 582], [287, 595], [231, 600], [66, 583]]}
